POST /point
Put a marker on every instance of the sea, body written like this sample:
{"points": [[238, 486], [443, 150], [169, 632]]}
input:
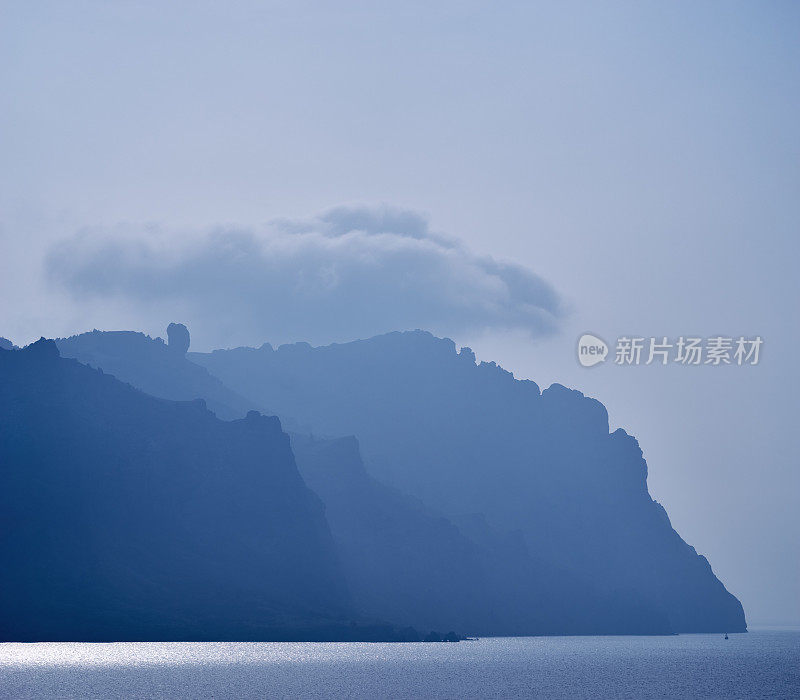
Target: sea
{"points": [[763, 663]]}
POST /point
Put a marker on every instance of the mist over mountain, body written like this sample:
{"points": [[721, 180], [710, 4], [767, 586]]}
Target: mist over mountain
{"points": [[155, 367], [342, 274], [404, 561], [128, 517], [469, 438]]}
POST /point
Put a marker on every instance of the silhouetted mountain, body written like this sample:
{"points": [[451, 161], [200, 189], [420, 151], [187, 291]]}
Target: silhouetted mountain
{"points": [[126, 517], [6, 344], [403, 561], [494, 583], [155, 368], [469, 438]]}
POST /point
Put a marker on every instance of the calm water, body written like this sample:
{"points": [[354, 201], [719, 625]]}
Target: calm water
{"points": [[761, 664]]}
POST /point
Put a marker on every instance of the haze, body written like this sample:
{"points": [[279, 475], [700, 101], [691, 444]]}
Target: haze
{"points": [[631, 168]]}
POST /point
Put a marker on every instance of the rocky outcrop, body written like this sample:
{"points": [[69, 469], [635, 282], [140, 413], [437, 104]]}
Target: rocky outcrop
{"points": [[155, 367], [178, 338]]}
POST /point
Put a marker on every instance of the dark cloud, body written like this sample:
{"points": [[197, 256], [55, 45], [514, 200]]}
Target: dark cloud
{"points": [[352, 272]]}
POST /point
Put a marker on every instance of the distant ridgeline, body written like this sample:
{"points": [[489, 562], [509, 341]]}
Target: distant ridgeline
{"points": [[486, 506]]}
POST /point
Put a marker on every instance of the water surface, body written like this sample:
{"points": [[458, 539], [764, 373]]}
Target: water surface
{"points": [[760, 664]]}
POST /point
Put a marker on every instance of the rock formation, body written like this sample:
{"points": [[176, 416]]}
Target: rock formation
{"points": [[469, 438]]}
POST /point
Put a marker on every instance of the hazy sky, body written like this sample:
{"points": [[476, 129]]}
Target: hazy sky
{"points": [[546, 169]]}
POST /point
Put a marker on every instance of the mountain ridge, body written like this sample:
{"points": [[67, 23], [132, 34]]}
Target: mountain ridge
{"points": [[468, 439], [544, 462], [130, 517]]}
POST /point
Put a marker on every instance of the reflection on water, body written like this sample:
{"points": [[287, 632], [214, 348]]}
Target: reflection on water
{"points": [[763, 663]]}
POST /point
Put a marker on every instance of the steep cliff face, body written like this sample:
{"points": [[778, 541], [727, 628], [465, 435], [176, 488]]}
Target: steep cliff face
{"points": [[123, 516], [592, 552], [469, 438], [405, 562], [402, 561]]}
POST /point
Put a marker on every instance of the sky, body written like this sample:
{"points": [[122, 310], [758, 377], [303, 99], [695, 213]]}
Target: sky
{"points": [[511, 175]]}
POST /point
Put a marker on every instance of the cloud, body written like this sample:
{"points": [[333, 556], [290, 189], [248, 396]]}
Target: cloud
{"points": [[350, 273]]}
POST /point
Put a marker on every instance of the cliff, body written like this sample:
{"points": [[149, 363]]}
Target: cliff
{"points": [[469, 438], [406, 562], [403, 560], [127, 517]]}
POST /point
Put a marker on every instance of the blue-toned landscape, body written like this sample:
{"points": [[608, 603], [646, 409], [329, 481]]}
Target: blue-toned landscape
{"points": [[504, 510], [416, 350]]}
